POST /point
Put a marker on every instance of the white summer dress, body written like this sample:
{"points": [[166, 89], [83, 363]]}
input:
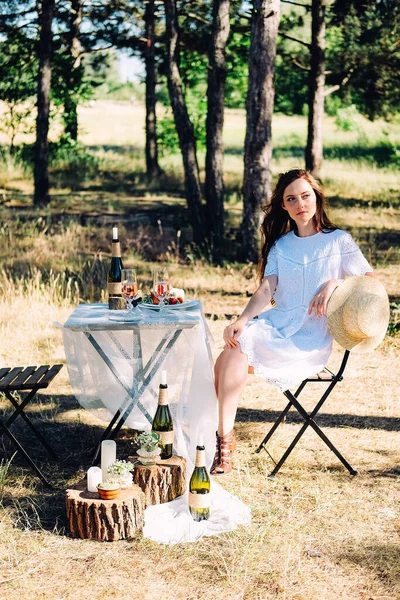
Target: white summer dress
{"points": [[285, 344]]}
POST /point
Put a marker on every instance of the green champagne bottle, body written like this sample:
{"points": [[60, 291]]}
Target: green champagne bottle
{"points": [[162, 422], [114, 274], [199, 486]]}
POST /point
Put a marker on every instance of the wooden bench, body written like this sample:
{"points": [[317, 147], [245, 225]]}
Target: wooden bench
{"points": [[30, 380]]}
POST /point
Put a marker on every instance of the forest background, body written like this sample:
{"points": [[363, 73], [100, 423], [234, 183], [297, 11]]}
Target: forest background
{"points": [[232, 94]]}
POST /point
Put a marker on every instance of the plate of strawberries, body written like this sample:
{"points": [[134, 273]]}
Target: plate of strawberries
{"points": [[175, 299]]}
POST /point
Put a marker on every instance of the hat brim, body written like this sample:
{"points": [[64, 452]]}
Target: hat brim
{"points": [[361, 285]]}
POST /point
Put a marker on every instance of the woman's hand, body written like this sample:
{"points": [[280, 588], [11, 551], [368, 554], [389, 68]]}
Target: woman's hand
{"points": [[320, 301], [232, 332], [257, 303]]}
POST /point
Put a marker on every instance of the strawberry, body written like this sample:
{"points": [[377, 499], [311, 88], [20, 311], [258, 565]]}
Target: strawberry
{"points": [[180, 300], [173, 301]]}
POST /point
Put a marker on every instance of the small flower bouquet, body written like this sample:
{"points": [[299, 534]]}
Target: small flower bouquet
{"points": [[120, 471], [149, 450]]}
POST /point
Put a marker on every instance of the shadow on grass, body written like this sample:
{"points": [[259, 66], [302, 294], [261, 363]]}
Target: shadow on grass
{"points": [[379, 154], [378, 559], [135, 151], [249, 415], [391, 200]]}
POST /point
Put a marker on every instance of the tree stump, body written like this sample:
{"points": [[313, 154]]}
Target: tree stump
{"points": [[91, 518], [162, 482]]}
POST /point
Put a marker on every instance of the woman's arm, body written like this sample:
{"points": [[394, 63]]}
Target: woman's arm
{"points": [[257, 303]]}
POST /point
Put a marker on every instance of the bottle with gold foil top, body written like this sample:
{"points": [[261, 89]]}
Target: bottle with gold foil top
{"points": [[199, 486], [114, 274], [162, 422]]}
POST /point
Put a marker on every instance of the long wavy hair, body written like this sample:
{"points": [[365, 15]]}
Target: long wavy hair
{"points": [[277, 221]]}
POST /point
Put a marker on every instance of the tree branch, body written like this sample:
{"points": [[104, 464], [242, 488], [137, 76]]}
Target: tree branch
{"points": [[300, 65], [295, 61], [103, 49], [289, 37], [337, 87], [306, 6], [198, 18]]}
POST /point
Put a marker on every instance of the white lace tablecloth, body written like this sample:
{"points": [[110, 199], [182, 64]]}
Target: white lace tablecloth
{"points": [[105, 360]]}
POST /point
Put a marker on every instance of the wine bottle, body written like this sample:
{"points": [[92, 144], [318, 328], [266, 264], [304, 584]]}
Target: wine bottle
{"points": [[199, 486], [114, 274], [162, 422]]}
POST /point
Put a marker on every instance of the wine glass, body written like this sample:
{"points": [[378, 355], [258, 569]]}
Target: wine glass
{"points": [[129, 287], [161, 284]]}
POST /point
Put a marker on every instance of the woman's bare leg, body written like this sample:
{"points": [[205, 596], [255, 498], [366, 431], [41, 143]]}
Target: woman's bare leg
{"points": [[230, 379]]}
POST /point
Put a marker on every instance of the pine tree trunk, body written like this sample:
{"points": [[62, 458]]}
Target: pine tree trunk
{"points": [[152, 167], [214, 184], [184, 128], [259, 109], [316, 82], [41, 165], [74, 71]]}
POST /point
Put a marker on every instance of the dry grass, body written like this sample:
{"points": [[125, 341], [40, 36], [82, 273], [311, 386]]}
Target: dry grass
{"points": [[316, 533]]}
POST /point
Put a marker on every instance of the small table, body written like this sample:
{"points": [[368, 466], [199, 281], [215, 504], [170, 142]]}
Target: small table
{"points": [[115, 368]]}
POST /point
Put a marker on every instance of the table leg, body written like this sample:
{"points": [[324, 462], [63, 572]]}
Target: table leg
{"points": [[140, 383]]}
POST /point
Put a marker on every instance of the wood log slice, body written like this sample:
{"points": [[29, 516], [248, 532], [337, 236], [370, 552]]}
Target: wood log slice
{"points": [[162, 482], [91, 518]]}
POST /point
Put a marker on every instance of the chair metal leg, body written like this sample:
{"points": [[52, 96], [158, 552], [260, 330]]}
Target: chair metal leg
{"points": [[279, 421], [19, 411], [323, 437], [308, 419], [25, 454], [273, 429]]}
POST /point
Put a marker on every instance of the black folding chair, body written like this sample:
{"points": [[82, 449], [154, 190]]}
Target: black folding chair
{"points": [[329, 379], [30, 380]]}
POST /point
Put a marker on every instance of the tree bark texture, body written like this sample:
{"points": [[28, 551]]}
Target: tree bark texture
{"points": [[259, 110], [74, 71], [316, 82], [184, 127], [91, 518], [214, 184], [163, 481], [41, 165], [152, 167]]}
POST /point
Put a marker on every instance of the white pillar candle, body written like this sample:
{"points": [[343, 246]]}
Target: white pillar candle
{"points": [[93, 478], [108, 456]]}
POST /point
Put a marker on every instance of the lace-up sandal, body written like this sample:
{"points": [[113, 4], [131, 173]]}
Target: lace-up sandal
{"points": [[226, 445]]}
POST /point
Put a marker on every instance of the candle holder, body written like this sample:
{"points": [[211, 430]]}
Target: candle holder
{"points": [[109, 490]]}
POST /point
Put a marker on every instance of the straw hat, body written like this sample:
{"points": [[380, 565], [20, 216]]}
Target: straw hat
{"points": [[358, 314]]}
